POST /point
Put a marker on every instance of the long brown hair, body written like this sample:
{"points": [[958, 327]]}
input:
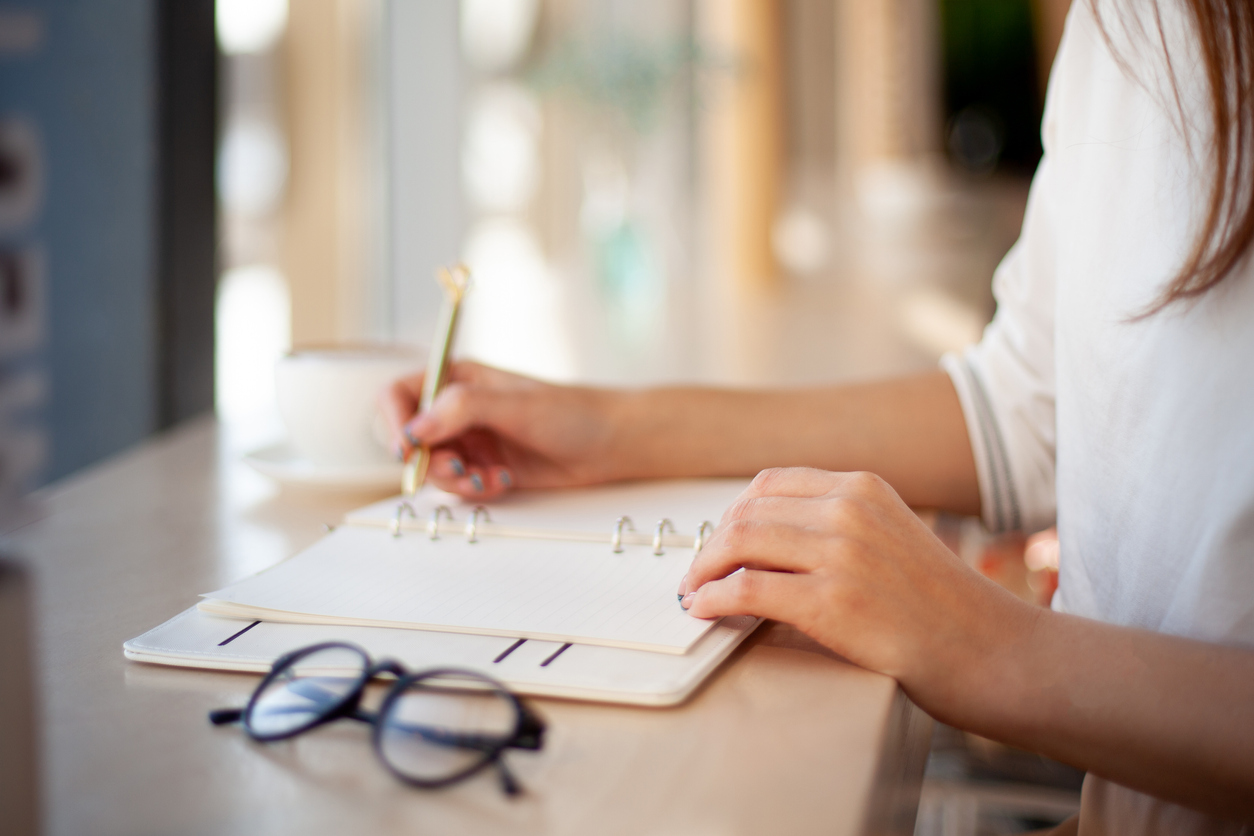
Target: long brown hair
{"points": [[1225, 34]]}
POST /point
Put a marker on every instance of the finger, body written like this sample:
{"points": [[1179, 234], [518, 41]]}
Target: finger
{"points": [[472, 485], [470, 468], [401, 401], [756, 544], [398, 403], [478, 483], [455, 410], [778, 595], [448, 469], [482, 483], [448, 463], [483, 452]]}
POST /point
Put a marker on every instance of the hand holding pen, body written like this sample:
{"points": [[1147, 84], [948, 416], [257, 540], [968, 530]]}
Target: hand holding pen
{"points": [[481, 432], [490, 431]]}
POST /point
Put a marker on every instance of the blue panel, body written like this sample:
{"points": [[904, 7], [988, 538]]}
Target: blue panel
{"points": [[88, 88]]}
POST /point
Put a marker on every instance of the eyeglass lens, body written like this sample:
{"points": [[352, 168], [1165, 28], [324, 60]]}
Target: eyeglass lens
{"points": [[305, 691], [438, 727]]}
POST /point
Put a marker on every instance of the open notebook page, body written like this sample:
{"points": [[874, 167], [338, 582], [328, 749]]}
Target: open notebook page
{"points": [[555, 591], [551, 590]]}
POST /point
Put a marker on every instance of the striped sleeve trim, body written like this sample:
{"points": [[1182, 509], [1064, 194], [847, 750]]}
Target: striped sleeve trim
{"points": [[1000, 500]]}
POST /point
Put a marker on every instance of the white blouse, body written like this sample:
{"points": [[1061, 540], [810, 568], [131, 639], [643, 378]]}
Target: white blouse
{"points": [[1136, 436]]}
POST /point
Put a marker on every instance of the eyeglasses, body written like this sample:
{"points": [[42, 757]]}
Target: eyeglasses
{"points": [[434, 728]]}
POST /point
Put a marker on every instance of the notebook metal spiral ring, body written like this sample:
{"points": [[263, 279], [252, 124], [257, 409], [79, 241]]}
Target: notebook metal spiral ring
{"points": [[433, 525], [472, 527], [703, 534], [617, 540], [663, 526], [401, 508]]}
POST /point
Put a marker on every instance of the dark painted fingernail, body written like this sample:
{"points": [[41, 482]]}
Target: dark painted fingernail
{"points": [[457, 467], [504, 476], [411, 438], [476, 482]]}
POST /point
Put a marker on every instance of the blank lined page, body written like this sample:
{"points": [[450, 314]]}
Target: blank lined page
{"points": [[556, 591]]}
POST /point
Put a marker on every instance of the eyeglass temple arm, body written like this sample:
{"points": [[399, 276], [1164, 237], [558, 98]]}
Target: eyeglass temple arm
{"points": [[222, 716], [508, 782], [530, 731]]}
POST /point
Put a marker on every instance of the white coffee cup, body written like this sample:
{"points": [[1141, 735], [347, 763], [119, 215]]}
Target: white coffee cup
{"points": [[328, 400]]}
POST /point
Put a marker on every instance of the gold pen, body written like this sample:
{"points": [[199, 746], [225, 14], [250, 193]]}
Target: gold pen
{"points": [[455, 283]]}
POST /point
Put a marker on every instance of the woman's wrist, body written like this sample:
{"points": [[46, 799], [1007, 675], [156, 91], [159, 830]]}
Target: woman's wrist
{"points": [[983, 676], [634, 441]]}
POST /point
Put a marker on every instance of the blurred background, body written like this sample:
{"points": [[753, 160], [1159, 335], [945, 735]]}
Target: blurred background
{"points": [[740, 192], [727, 191], [745, 192]]}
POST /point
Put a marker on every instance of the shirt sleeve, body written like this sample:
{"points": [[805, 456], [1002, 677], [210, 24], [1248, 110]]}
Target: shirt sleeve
{"points": [[1006, 382]]}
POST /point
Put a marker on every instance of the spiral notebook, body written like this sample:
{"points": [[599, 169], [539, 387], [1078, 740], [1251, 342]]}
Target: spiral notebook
{"points": [[595, 566]]}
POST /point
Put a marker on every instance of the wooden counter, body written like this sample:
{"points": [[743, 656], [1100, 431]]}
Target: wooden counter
{"points": [[785, 738]]}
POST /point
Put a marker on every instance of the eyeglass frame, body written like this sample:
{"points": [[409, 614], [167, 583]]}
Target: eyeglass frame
{"points": [[528, 727]]}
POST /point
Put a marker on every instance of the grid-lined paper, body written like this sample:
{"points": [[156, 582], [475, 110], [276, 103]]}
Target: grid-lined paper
{"points": [[556, 591]]}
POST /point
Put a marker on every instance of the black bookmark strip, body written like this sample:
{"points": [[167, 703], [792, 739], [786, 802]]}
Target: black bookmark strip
{"points": [[509, 650], [556, 653], [225, 642]]}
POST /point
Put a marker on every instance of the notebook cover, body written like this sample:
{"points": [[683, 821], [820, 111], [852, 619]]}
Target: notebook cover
{"points": [[540, 668]]}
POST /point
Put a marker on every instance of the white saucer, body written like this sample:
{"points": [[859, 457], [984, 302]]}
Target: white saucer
{"points": [[280, 462]]}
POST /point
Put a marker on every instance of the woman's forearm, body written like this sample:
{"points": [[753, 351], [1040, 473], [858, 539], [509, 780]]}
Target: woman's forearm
{"points": [[910, 431], [1167, 716]]}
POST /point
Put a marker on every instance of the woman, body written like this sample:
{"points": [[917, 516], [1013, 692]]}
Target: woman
{"points": [[1113, 393]]}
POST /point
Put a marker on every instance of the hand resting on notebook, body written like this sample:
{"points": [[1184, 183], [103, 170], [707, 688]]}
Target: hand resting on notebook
{"points": [[840, 556]]}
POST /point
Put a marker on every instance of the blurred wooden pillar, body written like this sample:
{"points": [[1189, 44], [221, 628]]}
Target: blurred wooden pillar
{"points": [[326, 214], [1049, 17], [889, 107], [744, 137]]}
